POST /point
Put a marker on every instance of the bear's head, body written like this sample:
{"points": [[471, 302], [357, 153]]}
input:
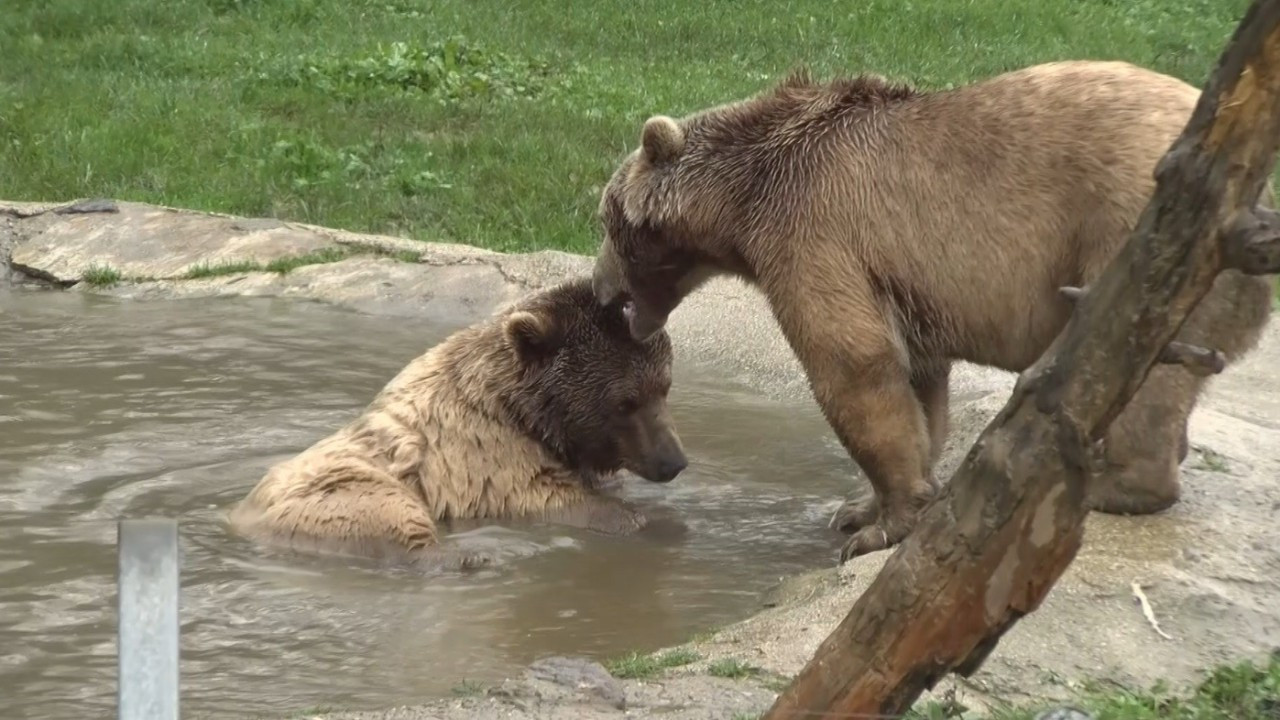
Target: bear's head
{"points": [[658, 245], [693, 199], [589, 392]]}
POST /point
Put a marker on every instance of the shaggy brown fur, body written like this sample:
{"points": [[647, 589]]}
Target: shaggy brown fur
{"points": [[518, 416], [896, 231]]}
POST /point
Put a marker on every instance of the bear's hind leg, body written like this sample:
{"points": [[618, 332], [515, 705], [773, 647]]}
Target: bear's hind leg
{"points": [[1148, 442], [1144, 447], [933, 387]]}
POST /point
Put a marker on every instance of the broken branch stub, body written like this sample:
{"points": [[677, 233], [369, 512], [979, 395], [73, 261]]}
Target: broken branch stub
{"points": [[1198, 360], [988, 550], [1073, 293]]}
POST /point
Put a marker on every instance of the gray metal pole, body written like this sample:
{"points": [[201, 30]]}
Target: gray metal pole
{"points": [[148, 630]]}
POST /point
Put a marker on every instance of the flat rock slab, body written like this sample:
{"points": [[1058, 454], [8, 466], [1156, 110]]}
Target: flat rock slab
{"points": [[451, 294], [144, 241], [575, 679]]}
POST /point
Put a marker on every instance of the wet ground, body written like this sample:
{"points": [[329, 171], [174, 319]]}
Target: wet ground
{"points": [[112, 408]]}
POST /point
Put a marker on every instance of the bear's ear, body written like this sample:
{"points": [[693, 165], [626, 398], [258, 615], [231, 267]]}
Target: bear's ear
{"points": [[533, 335], [662, 140]]}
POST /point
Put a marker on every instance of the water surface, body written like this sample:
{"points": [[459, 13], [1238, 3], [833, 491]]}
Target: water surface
{"points": [[114, 408]]}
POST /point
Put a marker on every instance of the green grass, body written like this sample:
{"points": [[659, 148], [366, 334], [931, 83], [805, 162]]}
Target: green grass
{"points": [[407, 256], [1243, 691], [776, 683], [206, 270], [319, 257], [476, 121], [1211, 461], [731, 668], [468, 688], [637, 666], [101, 276], [287, 264], [105, 276]]}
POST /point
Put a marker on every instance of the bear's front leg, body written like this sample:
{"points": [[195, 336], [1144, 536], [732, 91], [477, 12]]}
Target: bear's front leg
{"points": [[931, 387], [598, 513], [872, 407], [612, 516]]}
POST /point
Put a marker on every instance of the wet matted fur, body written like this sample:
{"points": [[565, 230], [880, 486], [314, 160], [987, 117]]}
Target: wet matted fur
{"points": [[519, 416]]}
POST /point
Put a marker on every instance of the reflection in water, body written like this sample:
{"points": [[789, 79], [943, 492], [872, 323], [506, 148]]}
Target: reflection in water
{"points": [[114, 409]]}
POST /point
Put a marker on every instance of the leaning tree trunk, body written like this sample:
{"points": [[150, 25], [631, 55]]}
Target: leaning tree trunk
{"points": [[989, 549]]}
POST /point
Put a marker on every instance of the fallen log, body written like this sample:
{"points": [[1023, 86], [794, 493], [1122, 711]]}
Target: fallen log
{"points": [[1009, 523]]}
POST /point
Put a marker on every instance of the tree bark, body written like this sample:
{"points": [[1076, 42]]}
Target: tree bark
{"points": [[1006, 527]]}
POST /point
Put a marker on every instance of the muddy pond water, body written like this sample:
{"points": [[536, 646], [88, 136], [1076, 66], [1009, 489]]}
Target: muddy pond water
{"points": [[116, 408]]}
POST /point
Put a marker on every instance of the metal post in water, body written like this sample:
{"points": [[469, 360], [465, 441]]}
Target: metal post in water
{"points": [[148, 619]]}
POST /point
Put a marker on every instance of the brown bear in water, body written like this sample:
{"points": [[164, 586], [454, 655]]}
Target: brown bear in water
{"points": [[894, 231], [520, 416]]}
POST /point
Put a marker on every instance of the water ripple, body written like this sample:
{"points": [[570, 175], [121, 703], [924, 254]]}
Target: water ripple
{"points": [[116, 409]]}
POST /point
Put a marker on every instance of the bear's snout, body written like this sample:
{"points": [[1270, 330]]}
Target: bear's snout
{"points": [[643, 322], [667, 468], [665, 458], [655, 452], [606, 281]]}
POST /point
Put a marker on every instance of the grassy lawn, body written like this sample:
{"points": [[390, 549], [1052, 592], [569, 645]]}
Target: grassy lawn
{"points": [[485, 122]]}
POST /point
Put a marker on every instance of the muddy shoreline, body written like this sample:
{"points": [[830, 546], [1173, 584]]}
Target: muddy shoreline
{"points": [[1210, 566]]}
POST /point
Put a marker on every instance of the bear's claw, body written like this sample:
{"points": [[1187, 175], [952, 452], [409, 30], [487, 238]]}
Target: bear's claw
{"points": [[854, 515], [867, 540], [475, 561], [885, 532]]}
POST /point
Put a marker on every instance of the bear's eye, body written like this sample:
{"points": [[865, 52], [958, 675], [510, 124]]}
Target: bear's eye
{"points": [[626, 407]]}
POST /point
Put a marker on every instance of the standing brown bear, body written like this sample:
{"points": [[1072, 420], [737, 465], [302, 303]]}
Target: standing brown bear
{"points": [[894, 231], [520, 416]]}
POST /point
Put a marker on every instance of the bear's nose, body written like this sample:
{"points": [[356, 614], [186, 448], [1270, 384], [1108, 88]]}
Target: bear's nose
{"points": [[669, 468]]}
